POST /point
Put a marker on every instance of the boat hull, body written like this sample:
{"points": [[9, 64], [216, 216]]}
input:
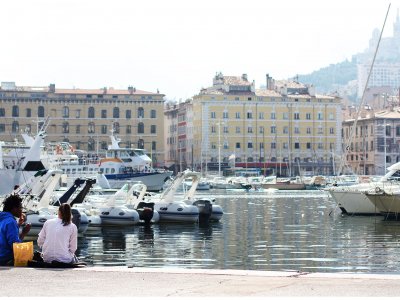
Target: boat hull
{"points": [[353, 202]]}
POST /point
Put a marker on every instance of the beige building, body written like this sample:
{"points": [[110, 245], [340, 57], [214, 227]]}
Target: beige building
{"points": [[285, 129], [85, 117], [373, 144]]}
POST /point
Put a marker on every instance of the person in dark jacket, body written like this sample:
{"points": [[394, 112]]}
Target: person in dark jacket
{"points": [[9, 228]]}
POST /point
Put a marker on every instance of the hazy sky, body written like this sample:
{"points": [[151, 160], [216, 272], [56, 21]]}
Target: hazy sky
{"points": [[178, 46]]}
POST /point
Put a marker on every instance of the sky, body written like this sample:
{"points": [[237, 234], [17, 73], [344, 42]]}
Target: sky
{"points": [[177, 46]]}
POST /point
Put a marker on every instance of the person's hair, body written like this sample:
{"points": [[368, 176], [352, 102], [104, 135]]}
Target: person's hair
{"points": [[11, 202], [66, 215]]}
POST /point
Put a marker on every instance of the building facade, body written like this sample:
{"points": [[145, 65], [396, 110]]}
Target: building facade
{"points": [[86, 117], [285, 129], [373, 144]]}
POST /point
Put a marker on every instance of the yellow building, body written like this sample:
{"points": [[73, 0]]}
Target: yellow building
{"points": [[85, 117], [285, 129]]}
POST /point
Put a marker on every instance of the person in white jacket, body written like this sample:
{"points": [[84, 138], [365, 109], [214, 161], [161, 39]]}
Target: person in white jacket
{"points": [[59, 237]]}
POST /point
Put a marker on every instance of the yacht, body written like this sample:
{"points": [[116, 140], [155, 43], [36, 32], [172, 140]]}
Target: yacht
{"points": [[352, 199]]}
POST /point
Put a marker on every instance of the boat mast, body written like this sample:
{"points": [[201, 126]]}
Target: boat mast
{"points": [[353, 128]]}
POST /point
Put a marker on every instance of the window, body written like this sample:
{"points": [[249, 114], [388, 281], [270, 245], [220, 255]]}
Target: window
{"points": [[213, 116], [116, 127], [261, 145], [296, 145], [308, 116], [103, 129], [65, 112], [91, 144], [331, 116], [331, 130], [273, 129], [3, 112], [297, 130], [91, 112], [213, 146], [104, 114], [308, 130], [128, 114], [213, 130], [296, 116], [261, 115], [41, 111], [153, 114], [128, 129], [225, 115], [237, 145], [273, 145], [2, 127], [249, 129], [153, 146], [28, 113], [249, 115], [141, 144], [91, 127], [65, 127], [237, 129], [320, 146], [15, 111], [261, 129], [308, 145], [78, 113], [226, 129], [397, 130], [285, 116], [249, 145], [320, 116], [320, 130], [273, 116], [78, 129], [140, 127], [286, 130], [116, 112], [226, 146], [153, 129], [140, 112], [237, 115], [285, 146], [15, 127]]}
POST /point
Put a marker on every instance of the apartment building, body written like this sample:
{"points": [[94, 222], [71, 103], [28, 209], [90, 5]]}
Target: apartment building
{"points": [[85, 117], [285, 129], [373, 143]]}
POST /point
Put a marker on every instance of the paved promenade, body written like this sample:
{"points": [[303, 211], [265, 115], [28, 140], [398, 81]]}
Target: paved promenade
{"points": [[169, 282]]}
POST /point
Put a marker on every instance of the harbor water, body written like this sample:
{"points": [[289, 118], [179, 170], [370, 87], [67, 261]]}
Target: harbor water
{"points": [[280, 231]]}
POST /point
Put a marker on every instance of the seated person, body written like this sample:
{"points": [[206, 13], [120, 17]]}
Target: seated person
{"points": [[9, 228], [59, 237]]}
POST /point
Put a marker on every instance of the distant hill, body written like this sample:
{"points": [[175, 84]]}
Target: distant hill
{"points": [[327, 79]]}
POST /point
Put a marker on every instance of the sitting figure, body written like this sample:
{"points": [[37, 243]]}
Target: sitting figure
{"points": [[59, 237], [9, 228]]}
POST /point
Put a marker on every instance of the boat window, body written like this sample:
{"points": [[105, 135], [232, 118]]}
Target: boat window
{"points": [[112, 171]]}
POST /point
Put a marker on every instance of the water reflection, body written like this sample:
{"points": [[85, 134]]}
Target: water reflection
{"points": [[259, 231]]}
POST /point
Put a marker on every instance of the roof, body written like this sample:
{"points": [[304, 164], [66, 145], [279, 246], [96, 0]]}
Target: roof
{"points": [[109, 91]]}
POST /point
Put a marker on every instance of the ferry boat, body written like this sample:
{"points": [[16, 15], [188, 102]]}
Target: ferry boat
{"points": [[119, 164]]}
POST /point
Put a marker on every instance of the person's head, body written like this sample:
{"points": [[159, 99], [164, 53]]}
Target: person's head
{"points": [[13, 205], [64, 213]]}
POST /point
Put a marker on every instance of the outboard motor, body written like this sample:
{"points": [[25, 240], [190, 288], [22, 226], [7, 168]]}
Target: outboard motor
{"points": [[146, 211], [76, 217], [205, 210]]}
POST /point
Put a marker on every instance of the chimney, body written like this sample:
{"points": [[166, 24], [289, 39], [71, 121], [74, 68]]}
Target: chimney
{"points": [[52, 88], [130, 89], [244, 77], [270, 85], [104, 90]]}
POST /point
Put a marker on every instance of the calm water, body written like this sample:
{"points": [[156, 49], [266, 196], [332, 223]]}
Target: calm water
{"points": [[284, 231]]}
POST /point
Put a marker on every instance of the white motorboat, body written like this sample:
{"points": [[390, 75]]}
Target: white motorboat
{"points": [[386, 200], [173, 209], [352, 199]]}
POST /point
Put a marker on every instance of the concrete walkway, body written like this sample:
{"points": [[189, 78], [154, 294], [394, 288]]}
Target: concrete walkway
{"points": [[168, 282]]}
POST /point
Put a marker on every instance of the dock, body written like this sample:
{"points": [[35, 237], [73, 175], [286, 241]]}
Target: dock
{"points": [[176, 282]]}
